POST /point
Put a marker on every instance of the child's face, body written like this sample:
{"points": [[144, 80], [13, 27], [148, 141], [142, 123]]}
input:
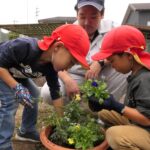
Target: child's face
{"points": [[121, 62], [62, 59]]}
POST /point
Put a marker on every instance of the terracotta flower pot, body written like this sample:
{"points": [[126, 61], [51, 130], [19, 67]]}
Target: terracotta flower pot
{"points": [[52, 146]]}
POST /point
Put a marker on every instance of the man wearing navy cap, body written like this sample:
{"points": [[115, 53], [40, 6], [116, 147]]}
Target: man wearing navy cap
{"points": [[99, 4]]}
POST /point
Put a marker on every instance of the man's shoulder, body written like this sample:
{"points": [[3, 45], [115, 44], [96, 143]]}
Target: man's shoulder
{"points": [[106, 25]]}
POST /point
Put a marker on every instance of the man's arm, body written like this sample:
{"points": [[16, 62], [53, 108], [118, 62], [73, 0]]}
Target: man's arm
{"points": [[70, 84], [94, 70]]}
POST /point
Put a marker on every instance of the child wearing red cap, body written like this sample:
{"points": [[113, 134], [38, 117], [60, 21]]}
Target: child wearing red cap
{"points": [[124, 48], [25, 58]]}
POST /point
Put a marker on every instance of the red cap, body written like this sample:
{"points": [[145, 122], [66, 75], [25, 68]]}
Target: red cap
{"points": [[124, 39], [75, 39]]}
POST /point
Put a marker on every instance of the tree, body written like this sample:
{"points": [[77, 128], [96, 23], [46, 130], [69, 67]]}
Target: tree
{"points": [[13, 35]]}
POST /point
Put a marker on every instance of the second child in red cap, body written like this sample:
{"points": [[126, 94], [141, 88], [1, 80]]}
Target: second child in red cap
{"points": [[129, 123], [24, 58]]}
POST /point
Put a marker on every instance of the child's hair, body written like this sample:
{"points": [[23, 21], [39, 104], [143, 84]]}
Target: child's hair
{"points": [[119, 54]]}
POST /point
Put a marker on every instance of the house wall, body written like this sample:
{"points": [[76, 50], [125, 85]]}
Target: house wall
{"points": [[144, 17], [147, 37], [148, 41], [148, 46], [139, 18], [133, 18]]}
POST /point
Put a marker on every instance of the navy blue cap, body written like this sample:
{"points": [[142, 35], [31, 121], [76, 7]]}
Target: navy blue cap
{"points": [[98, 4]]}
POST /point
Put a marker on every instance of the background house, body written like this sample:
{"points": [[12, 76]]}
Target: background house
{"points": [[62, 20], [138, 15]]}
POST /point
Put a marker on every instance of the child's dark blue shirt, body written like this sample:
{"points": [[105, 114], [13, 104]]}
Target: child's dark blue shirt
{"points": [[21, 57]]}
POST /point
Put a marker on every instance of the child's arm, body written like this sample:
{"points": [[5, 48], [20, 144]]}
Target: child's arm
{"points": [[7, 78], [136, 116], [111, 104], [21, 93], [58, 104]]}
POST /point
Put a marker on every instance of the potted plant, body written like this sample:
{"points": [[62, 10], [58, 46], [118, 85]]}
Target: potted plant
{"points": [[95, 88], [76, 129]]}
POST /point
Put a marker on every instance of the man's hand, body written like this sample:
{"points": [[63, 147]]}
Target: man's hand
{"points": [[23, 95], [94, 71], [71, 87], [109, 103]]}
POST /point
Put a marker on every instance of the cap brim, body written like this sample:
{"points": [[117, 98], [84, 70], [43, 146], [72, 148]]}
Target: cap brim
{"points": [[98, 7], [142, 58], [45, 43], [80, 59], [101, 56]]}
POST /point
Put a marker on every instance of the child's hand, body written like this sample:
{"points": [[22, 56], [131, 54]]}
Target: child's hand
{"points": [[109, 103], [23, 95]]}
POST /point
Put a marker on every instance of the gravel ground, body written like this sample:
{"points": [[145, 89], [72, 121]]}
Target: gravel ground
{"points": [[44, 111]]}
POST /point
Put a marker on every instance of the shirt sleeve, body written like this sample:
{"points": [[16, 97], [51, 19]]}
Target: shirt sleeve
{"points": [[142, 96], [52, 81]]}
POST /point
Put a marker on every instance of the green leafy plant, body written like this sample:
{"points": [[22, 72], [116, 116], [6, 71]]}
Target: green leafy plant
{"points": [[77, 128], [95, 88]]}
